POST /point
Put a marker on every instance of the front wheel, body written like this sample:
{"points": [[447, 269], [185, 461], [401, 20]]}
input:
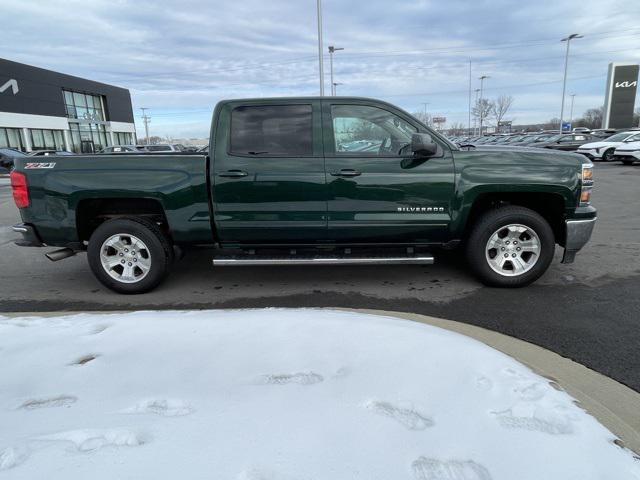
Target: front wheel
{"points": [[129, 255], [510, 247], [607, 156]]}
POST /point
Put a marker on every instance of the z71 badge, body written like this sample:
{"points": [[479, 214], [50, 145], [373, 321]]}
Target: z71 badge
{"points": [[33, 165]]}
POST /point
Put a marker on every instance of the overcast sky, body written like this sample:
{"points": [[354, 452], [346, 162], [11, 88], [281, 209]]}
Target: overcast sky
{"points": [[178, 58]]}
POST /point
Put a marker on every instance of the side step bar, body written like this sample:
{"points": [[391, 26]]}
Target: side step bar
{"points": [[248, 261]]}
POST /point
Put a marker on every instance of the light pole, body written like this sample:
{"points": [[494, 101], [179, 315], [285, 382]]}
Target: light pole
{"points": [[564, 80], [332, 49], [146, 119], [480, 106], [335, 87], [426, 118], [475, 117], [573, 96], [320, 59]]}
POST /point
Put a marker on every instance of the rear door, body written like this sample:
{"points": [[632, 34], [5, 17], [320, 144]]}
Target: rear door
{"points": [[377, 190], [268, 173]]}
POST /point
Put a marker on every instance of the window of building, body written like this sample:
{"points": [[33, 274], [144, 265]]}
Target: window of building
{"points": [[360, 129], [272, 130], [46, 139], [12, 138], [88, 137], [84, 106], [123, 138]]}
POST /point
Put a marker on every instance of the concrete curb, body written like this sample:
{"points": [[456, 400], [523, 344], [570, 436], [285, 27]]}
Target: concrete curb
{"points": [[613, 404], [616, 406]]}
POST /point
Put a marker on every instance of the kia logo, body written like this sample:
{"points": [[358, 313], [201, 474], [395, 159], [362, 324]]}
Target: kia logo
{"points": [[626, 84]]}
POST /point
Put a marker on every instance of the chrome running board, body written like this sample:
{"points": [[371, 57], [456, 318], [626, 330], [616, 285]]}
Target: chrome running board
{"points": [[253, 260]]}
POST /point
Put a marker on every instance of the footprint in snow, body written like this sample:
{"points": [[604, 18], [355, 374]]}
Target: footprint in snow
{"points": [[89, 440], [83, 360], [161, 406], [302, 378], [554, 421], [12, 456], [433, 469], [408, 417], [59, 401]]}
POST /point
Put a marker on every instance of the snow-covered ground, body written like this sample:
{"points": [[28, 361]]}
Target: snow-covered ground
{"points": [[281, 394]]}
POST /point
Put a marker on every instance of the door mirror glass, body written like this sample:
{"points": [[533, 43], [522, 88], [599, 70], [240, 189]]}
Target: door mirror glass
{"points": [[422, 144]]}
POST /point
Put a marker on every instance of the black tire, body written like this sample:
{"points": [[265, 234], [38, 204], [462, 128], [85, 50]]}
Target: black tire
{"points": [[607, 155], [157, 245], [490, 223], [627, 162]]}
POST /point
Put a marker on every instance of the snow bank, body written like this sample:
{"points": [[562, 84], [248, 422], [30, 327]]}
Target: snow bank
{"points": [[281, 394]]}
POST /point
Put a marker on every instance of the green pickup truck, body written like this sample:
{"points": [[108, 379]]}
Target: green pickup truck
{"points": [[310, 181]]}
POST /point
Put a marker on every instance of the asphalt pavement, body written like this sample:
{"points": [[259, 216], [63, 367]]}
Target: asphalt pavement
{"points": [[588, 311]]}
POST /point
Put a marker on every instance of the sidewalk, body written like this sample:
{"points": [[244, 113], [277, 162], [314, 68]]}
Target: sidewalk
{"points": [[616, 406]]}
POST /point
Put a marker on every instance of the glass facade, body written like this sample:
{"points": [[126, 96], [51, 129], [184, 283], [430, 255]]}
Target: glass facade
{"points": [[84, 106], [46, 139], [123, 138], [12, 138], [88, 137]]}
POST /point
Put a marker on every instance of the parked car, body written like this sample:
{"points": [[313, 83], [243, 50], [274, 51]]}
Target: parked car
{"points": [[124, 149], [164, 147], [46, 153], [7, 155], [628, 153], [605, 149], [581, 130], [279, 189], [569, 142]]}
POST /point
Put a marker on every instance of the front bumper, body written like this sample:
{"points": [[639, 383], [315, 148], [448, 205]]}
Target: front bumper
{"points": [[578, 234], [591, 153], [30, 237]]}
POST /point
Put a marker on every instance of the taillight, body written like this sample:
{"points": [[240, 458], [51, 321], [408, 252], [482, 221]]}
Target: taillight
{"points": [[20, 189]]}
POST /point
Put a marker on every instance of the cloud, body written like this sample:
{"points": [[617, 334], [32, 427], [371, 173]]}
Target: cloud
{"points": [[180, 57]]}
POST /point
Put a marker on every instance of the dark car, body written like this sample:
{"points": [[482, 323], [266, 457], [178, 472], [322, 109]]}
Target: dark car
{"points": [[567, 142], [46, 153], [6, 158]]}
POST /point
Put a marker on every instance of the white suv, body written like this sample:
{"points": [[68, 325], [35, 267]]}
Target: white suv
{"points": [[628, 153], [604, 149]]}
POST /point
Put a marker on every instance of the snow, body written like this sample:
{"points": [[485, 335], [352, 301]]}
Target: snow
{"points": [[281, 395]]}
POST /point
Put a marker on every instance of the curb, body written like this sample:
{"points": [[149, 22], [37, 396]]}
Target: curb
{"points": [[614, 405]]}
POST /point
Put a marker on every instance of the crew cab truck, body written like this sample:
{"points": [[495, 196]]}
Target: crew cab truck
{"points": [[332, 180]]}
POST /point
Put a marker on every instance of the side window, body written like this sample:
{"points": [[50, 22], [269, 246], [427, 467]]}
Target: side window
{"points": [[579, 137], [359, 129], [272, 130]]}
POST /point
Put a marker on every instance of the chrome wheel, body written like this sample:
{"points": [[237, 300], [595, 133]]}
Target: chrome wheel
{"points": [[125, 258], [513, 250]]}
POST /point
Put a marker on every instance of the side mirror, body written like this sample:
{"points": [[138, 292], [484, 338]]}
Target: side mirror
{"points": [[422, 144]]}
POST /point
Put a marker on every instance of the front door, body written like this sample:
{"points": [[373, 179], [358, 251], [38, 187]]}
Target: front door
{"points": [[377, 190], [268, 174]]}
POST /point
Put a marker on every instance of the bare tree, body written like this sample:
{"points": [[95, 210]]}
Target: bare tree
{"points": [[482, 110], [592, 118], [457, 128], [500, 107], [423, 117]]}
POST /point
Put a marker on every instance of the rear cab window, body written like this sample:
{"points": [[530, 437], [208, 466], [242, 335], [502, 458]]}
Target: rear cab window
{"points": [[272, 130]]}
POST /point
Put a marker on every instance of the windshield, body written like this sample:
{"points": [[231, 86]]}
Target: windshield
{"points": [[618, 137]]}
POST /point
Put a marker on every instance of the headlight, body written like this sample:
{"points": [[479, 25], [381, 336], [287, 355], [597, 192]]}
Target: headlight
{"points": [[587, 184]]}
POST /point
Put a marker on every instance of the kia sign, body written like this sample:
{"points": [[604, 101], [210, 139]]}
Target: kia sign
{"points": [[622, 83]]}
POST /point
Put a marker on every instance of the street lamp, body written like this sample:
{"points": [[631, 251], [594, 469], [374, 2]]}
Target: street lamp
{"points": [[320, 59], [475, 119], [482, 78], [564, 80], [573, 97], [335, 87], [426, 118], [332, 49]]}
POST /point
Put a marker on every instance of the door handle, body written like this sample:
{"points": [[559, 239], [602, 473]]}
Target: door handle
{"points": [[346, 172], [233, 174]]}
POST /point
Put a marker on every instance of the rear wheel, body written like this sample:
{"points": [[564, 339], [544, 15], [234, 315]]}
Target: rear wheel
{"points": [[129, 255], [510, 247]]}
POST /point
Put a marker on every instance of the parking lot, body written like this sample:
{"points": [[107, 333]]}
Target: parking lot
{"points": [[586, 311]]}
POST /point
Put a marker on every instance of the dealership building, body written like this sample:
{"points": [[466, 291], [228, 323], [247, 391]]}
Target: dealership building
{"points": [[41, 109]]}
